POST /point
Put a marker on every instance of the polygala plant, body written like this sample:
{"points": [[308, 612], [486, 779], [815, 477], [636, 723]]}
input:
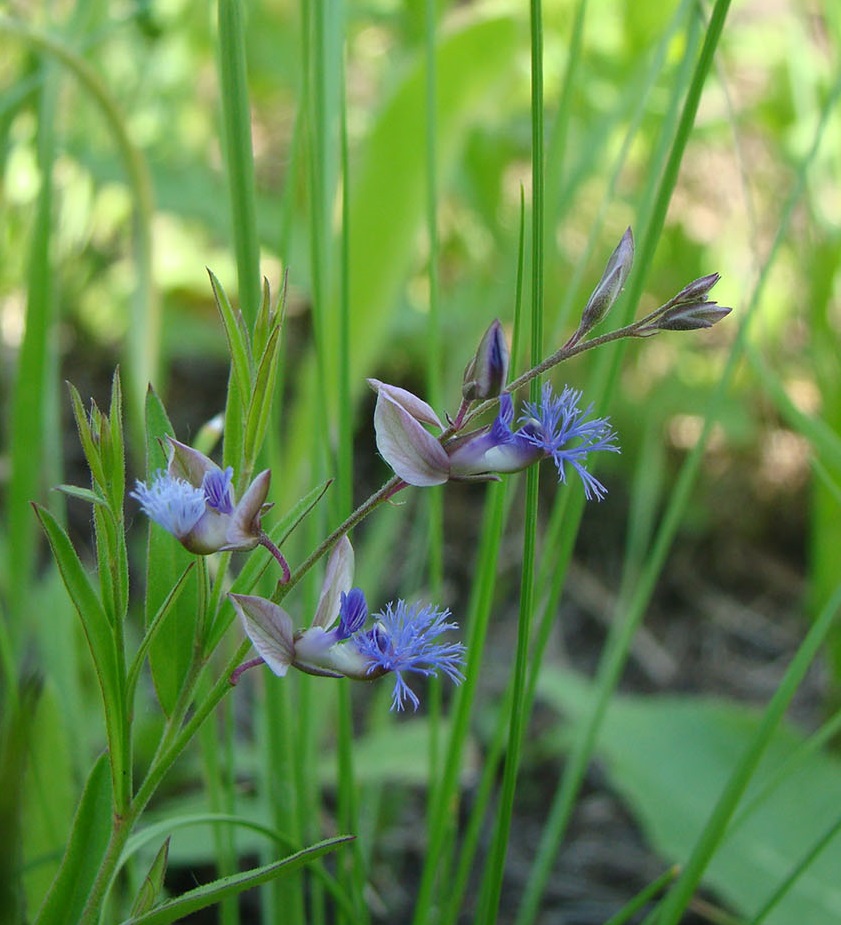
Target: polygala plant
{"points": [[200, 510]]}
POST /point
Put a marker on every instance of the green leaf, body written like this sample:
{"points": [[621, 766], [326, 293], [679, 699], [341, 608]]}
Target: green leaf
{"points": [[215, 892], [83, 494], [152, 883], [380, 756], [260, 401], [116, 462], [670, 758], [170, 822], [50, 793], [267, 320], [171, 651], [236, 334], [98, 632], [85, 850], [152, 628], [89, 441]]}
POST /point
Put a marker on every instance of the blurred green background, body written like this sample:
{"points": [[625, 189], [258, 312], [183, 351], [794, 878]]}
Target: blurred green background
{"points": [[116, 193]]}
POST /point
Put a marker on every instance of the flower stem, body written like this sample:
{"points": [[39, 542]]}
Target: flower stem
{"points": [[387, 491], [237, 673], [284, 565]]}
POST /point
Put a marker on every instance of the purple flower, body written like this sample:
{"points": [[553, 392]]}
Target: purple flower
{"points": [[556, 426], [193, 499], [405, 639], [353, 612]]}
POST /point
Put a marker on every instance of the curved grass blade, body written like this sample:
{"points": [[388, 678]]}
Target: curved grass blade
{"points": [[212, 893]]}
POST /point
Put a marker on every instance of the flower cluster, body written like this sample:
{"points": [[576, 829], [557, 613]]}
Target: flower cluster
{"points": [[194, 498]]}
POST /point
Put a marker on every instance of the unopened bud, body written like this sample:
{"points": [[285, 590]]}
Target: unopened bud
{"points": [[610, 285], [691, 317], [698, 290], [487, 372]]}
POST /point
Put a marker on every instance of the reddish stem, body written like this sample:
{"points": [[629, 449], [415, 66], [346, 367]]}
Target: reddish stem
{"points": [[284, 565], [237, 673]]}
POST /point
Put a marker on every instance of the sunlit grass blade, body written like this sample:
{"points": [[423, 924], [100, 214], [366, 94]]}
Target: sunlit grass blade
{"points": [[493, 873], [435, 873], [239, 158], [620, 640], [30, 437]]}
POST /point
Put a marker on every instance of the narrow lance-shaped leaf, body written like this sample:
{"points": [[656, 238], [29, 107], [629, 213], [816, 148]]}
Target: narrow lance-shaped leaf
{"points": [[263, 321], [237, 336], [90, 445], [212, 893], [153, 882], [99, 634], [89, 837], [116, 464], [260, 401], [151, 632]]}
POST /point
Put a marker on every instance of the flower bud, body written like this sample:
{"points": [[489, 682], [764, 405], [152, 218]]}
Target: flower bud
{"points": [[688, 317], [698, 290], [487, 372], [610, 285]]}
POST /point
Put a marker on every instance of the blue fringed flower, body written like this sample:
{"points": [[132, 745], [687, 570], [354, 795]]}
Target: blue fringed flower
{"points": [[193, 499], [172, 503], [559, 428], [555, 426], [404, 639]]}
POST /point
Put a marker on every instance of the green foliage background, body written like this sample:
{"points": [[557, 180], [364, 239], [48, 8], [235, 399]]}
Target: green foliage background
{"points": [[126, 173]]}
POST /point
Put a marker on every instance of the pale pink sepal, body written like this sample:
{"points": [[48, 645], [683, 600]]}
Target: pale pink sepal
{"points": [[269, 627], [405, 444], [187, 463], [244, 530], [337, 579], [417, 407]]}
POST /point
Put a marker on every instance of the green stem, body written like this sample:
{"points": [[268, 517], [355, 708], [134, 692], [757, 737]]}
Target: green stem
{"points": [[387, 491], [495, 866]]}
